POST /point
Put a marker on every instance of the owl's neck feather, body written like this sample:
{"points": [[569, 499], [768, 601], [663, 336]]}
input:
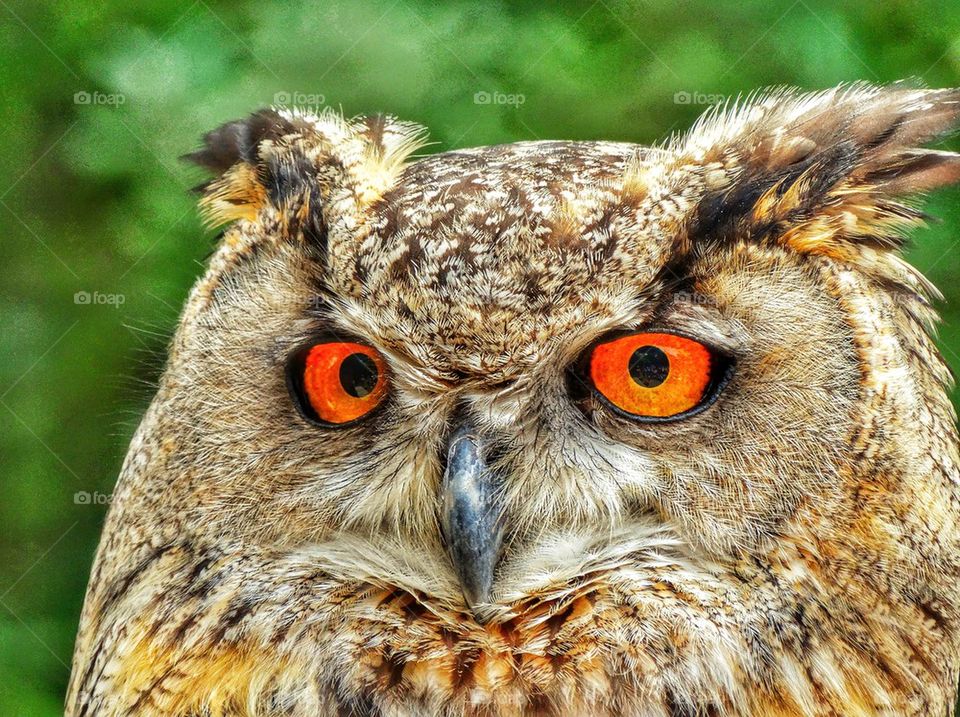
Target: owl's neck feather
{"points": [[630, 624]]}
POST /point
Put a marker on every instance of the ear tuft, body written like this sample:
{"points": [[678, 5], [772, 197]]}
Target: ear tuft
{"points": [[233, 153], [824, 172], [916, 170], [239, 141], [287, 163]]}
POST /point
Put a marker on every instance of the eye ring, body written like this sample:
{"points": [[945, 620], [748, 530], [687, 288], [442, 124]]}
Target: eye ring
{"points": [[335, 383], [719, 371]]}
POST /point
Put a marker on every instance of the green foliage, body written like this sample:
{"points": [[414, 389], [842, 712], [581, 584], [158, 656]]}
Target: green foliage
{"points": [[95, 201]]}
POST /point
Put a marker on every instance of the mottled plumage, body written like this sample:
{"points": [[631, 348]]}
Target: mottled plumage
{"points": [[793, 549]]}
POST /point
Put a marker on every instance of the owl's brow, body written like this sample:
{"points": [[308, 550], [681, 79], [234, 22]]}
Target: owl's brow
{"points": [[677, 304], [321, 304], [324, 313], [330, 315], [674, 276]]}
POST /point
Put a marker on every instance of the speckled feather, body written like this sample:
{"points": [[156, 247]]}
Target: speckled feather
{"points": [[792, 550]]}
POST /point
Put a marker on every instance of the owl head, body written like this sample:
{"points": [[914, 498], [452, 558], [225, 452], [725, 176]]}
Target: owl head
{"points": [[668, 413]]}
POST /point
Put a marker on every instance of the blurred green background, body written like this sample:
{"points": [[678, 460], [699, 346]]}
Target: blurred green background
{"points": [[103, 241]]}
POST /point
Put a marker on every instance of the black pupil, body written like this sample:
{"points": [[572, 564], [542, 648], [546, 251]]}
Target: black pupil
{"points": [[649, 366], [358, 375]]}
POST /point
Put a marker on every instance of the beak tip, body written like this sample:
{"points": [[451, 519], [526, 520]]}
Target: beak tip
{"points": [[479, 604], [477, 595], [474, 564]]}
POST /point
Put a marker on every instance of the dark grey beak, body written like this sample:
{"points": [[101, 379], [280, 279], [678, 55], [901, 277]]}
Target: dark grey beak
{"points": [[471, 515]]}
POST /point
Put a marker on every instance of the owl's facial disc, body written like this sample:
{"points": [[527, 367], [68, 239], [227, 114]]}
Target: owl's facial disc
{"points": [[472, 526]]}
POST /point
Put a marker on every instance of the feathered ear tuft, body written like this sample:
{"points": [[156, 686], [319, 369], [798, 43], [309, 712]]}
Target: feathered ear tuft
{"points": [[823, 173], [287, 163], [239, 141], [233, 153]]}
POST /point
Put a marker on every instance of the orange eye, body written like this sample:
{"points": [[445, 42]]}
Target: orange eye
{"points": [[338, 382], [653, 375]]}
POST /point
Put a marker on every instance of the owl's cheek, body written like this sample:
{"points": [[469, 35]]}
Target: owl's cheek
{"points": [[720, 484]]}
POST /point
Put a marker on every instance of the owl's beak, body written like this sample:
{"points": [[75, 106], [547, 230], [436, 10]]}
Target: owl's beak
{"points": [[471, 515]]}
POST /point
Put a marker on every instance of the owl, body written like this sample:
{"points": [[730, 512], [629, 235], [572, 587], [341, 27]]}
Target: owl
{"points": [[548, 428]]}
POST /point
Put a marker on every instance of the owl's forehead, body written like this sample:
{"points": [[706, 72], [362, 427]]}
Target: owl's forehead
{"points": [[496, 247]]}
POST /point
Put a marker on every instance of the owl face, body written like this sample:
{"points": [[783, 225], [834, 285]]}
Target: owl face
{"points": [[481, 284], [661, 395]]}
